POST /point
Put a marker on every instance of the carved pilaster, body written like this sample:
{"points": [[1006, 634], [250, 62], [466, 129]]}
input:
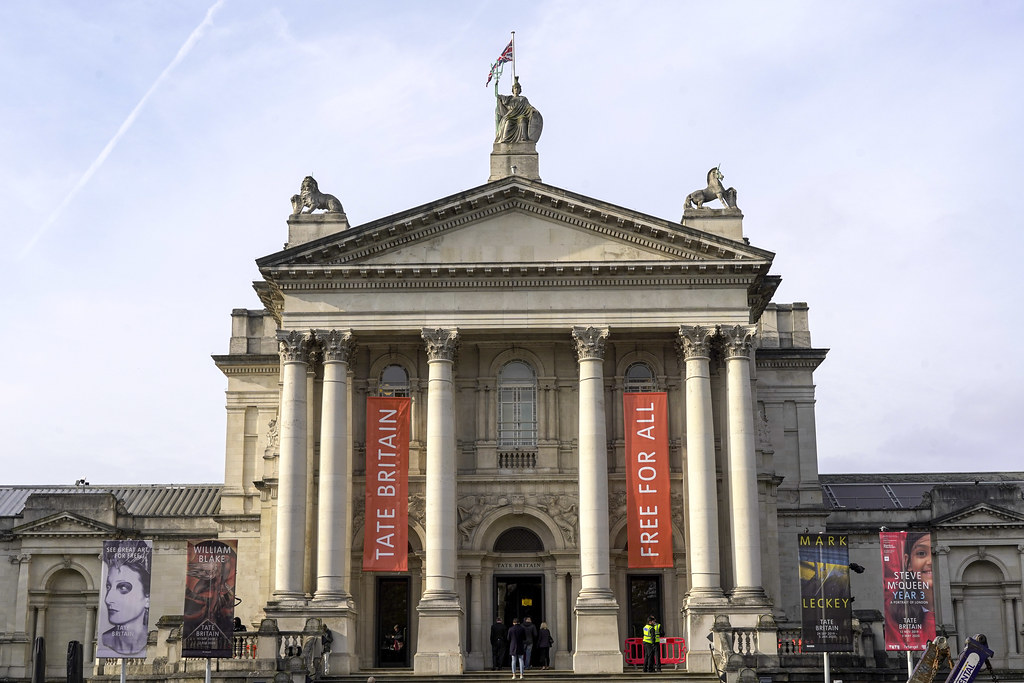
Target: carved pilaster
{"points": [[590, 342], [442, 344], [738, 340], [695, 340], [337, 345], [294, 346]]}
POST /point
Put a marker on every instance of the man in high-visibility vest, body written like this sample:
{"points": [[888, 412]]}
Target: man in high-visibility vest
{"points": [[657, 644], [650, 643]]}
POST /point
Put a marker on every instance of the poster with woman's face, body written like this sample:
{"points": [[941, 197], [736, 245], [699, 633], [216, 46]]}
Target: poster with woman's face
{"points": [[907, 589], [126, 575]]}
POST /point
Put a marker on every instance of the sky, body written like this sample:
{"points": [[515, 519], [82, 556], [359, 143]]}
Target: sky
{"points": [[148, 151]]}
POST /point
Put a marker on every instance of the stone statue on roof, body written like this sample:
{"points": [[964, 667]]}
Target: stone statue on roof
{"points": [[515, 119], [714, 190]]}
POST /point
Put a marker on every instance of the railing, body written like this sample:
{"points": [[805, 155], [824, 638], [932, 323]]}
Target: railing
{"points": [[744, 641], [517, 460], [244, 645], [791, 641]]}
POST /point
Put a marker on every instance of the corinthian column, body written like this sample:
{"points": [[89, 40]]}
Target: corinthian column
{"points": [[334, 526], [291, 484], [746, 520], [705, 579], [597, 644], [439, 645]]}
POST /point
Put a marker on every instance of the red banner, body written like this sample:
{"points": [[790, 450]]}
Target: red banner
{"points": [[907, 589], [648, 503], [386, 536], [208, 629]]}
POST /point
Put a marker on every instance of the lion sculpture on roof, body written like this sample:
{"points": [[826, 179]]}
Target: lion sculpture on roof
{"points": [[310, 198]]}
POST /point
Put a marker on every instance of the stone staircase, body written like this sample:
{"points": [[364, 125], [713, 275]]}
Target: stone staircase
{"points": [[536, 675]]}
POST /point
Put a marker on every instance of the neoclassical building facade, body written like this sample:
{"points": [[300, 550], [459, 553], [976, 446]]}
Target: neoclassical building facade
{"points": [[514, 317]]}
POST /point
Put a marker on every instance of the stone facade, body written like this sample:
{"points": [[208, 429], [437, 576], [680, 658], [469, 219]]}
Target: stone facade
{"points": [[515, 316]]}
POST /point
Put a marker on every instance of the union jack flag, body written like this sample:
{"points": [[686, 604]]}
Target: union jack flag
{"points": [[507, 55]]}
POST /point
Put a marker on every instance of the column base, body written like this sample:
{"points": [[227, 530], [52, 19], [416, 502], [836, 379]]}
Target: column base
{"points": [[439, 641], [753, 596], [699, 611], [597, 634], [340, 618]]}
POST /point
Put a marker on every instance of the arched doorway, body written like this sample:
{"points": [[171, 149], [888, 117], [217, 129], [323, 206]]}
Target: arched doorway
{"points": [[66, 618], [988, 607]]}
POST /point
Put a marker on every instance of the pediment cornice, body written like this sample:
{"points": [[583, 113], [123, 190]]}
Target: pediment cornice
{"points": [[341, 253], [65, 524], [980, 516]]}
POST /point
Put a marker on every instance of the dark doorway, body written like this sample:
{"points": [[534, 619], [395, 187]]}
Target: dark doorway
{"points": [[393, 621], [519, 597], [644, 600]]}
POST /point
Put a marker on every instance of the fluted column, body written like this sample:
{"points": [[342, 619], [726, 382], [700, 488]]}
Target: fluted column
{"points": [[745, 514], [334, 526], [593, 465], [705, 579], [439, 646], [291, 471], [597, 646]]}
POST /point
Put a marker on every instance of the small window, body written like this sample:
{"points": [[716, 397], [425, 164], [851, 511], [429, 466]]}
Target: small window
{"points": [[517, 406], [639, 378], [518, 540], [394, 381]]}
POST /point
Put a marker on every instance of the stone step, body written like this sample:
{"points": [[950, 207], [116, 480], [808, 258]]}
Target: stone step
{"points": [[538, 676]]}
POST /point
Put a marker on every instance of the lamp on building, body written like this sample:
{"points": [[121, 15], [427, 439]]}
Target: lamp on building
{"points": [[854, 567], [81, 482]]}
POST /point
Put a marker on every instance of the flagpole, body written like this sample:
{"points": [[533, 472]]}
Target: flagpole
{"points": [[513, 56]]}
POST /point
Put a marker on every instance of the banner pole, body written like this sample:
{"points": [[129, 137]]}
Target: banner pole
{"points": [[828, 673], [208, 660], [124, 669], [910, 664]]}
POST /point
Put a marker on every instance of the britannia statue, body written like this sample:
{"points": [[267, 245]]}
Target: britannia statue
{"points": [[515, 119]]}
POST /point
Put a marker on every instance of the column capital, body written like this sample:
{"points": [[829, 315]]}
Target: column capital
{"points": [[20, 559], [294, 345], [442, 343], [738, 340], [337, 345], [944, 549], [695, 340], [590, 341]]}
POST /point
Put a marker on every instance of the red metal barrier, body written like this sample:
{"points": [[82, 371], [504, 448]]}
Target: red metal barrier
{"points": [[673, 651], [634, 651]]}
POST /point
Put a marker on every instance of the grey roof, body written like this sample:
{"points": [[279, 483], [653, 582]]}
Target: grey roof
{"points": [[148, 500], [892, 491]]}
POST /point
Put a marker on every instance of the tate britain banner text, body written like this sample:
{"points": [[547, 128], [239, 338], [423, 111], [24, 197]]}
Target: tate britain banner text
{"points": [[386, 536], [124, 598], [907, 589], [209, 598], [825, 593], [648, 503]]}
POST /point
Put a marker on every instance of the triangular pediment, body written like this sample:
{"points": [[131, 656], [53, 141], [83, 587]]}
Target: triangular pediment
{"points": [[981, 515], [65, 524], [518, 222]]}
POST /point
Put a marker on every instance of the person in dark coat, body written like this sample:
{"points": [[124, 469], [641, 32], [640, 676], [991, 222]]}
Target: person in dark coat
{"points": [[531, 638], [544, 643], [499, 644], [517, 646]]}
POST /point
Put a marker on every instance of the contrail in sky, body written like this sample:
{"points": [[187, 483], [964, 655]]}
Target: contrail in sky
{"points": [[190, 43]]}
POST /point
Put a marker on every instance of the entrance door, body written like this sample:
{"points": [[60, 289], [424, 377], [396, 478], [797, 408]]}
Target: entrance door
{"points": [[644, 600], [393, 621], [519, 597]]}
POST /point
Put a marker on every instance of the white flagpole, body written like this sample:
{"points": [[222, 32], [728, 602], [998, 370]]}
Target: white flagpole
{"points": [[513, 56]]}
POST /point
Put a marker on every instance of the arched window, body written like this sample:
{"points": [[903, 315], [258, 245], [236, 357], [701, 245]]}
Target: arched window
{"points": [[517, 406], [518, 540], [639, 378], [394, 381]]}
